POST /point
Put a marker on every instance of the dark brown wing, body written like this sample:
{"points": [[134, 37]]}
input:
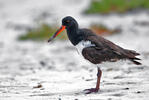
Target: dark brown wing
{"points": [[106, 50], [97, 56]]}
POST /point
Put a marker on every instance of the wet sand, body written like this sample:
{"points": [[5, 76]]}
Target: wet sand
{"points": [[42, 71]]}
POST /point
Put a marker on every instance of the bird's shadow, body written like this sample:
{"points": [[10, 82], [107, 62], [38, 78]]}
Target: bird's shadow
{"points": [[75, 93], [60, 93]]}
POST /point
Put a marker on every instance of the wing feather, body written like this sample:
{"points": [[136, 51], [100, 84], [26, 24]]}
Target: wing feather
{"points": [[105, 50]]}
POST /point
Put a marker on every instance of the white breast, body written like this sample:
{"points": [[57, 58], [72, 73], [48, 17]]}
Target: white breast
{"points": [[83, 44]]}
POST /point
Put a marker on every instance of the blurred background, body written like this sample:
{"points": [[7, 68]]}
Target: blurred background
{"points": [[32, 68]]}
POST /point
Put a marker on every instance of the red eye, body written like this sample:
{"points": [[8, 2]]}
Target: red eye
{"points": [[67, 21]]}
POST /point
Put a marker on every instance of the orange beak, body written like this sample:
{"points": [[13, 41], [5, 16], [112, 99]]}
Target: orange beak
{"points": [[57, 33]]}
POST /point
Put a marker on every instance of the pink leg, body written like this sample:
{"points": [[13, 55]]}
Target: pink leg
{"points": [[97, 84]]}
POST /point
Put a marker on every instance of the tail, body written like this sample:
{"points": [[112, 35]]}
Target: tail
{"points": [[136, 62], [131, 55]]}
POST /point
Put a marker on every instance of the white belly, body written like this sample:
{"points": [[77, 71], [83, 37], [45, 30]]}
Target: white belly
{"points": [[80, 46], [83, 44]]}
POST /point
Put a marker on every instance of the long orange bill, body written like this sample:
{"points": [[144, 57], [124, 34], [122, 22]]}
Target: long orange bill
{"points": [[57, 33]]}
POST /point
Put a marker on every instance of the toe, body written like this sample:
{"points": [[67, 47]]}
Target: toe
{"points": [[92, 90]]}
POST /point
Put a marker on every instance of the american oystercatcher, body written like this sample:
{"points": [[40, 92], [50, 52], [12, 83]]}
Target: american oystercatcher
{"points": [[94, 48]]}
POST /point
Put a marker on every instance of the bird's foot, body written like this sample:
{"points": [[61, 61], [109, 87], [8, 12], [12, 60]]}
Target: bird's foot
{"points": [[92, 90]]}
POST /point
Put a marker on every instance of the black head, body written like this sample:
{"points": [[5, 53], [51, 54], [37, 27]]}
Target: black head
{"points": [[69, 22], [71, 25]]}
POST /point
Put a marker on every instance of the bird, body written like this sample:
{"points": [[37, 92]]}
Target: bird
{"points": [[94, 48]]}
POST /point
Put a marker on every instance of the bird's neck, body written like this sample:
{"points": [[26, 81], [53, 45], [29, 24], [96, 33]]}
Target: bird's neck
{"points": [[73, 35]]}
